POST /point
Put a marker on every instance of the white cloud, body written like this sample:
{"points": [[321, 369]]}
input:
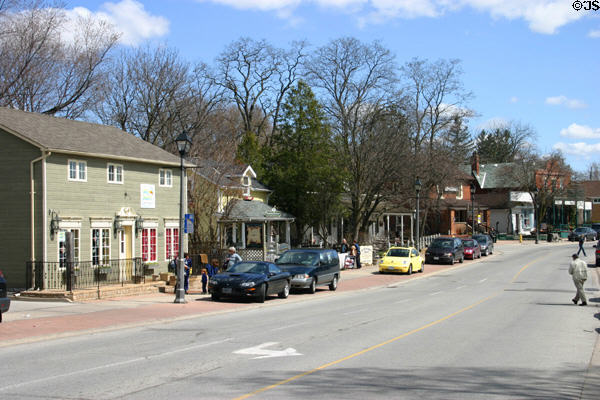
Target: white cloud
{"points": [[594, 34], [564, 100], [129, 18], [514, 99], [543, 16], [576, 131], [579, 149], [493, 124]]}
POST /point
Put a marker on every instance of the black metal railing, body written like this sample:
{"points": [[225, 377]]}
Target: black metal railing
{"points": [[83, 274]]}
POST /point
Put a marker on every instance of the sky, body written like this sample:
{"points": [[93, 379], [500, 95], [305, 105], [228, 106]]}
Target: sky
{"points": [[535, 62]]}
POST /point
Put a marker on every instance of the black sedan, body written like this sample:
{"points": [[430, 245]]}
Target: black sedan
{"points": [[255, 279], [586, 232], [4, 300]]}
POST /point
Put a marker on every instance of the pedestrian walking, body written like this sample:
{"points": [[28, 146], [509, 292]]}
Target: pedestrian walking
{"points": [[233, 258], [581, 242], [578, 269], [357, 253], [187, 265], [204, 280]]}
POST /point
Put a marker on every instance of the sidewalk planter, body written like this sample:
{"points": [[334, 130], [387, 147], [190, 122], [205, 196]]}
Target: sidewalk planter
{"points": [[102, 272]]}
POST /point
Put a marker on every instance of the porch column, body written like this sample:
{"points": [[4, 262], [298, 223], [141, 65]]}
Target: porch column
{"points": [[288, 239], [402, 229], [234, 233], [243, 235], [388, 230], [412, 233]]}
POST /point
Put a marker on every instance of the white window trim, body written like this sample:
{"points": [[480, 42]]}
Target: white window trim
{"points": [[78, 248], [77, 162], [170, 171], [460, 193], [101, 228], [167, 244], [149, 227], [108, 165]]}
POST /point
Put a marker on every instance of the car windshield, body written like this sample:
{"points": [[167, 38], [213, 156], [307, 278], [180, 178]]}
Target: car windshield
{"points": [[581, 230], [397, 253], [480, 239], [469, 243], [298, 257], [441, 243], [248, 267]]}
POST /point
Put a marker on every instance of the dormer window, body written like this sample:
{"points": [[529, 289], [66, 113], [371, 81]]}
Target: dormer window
{"points": [[246, 182]]}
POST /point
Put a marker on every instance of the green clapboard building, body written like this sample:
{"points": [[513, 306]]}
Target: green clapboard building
{"points": [[117, 194]]}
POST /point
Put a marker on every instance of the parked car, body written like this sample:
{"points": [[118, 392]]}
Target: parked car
{"points": [[257, 279], [311, 268], [4, 300], [445, 249], [596, 227], [585, 231], [598, 254], [471, 248], [485, 243], [401, 259]]}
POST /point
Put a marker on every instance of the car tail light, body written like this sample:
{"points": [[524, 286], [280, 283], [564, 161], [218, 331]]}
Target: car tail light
{"points": [[1, 274]]}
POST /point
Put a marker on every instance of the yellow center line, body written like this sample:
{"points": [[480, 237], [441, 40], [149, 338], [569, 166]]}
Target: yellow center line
{"points": [[526, 266], [293, 378], [429, 325]]}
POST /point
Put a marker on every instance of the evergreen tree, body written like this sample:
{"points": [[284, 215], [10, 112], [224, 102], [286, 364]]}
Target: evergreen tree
{"points": [[459, 140], [301, 166]]}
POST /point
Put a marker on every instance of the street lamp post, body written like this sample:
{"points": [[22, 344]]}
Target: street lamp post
{"points": [[417, 190], [183, 145], [472, 209], [536, 214]]}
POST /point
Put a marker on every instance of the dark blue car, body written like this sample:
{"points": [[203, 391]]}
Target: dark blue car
{"points": [[255, 279]]}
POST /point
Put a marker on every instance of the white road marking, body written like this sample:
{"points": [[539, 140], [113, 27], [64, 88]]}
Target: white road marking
{"points": [[434, 293], [483, 280], [266, 353], [401, 301], [352, 312], [112, 365], [287, 326], [460, 287]]}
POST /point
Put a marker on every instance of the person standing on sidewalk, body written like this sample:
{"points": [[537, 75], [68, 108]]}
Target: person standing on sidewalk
{"points": [[357, 253], [204, 280], [187, 265], [344, 248], [581, 242], [233, 258], [578, 269]]}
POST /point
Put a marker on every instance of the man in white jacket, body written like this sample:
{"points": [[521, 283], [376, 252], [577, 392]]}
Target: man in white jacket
{"points": [[578, 269]]}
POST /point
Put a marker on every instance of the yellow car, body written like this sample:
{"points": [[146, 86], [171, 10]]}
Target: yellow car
{"points": [[401, 259]]}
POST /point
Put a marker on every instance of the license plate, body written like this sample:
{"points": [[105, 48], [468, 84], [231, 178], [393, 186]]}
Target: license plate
{"points": [[227, 290], [436, 258]]}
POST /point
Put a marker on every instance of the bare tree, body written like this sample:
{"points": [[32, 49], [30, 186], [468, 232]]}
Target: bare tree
{"points": [[355, 81], [433, 98], [256, 77], [46, 68]]}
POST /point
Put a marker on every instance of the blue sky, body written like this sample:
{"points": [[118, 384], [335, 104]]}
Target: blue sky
{"points": [[536, 62]]}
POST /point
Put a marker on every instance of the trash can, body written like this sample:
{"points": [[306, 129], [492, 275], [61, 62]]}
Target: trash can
{"points": [[550, 237]]}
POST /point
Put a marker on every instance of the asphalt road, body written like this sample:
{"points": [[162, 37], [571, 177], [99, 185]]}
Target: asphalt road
{"points": [[500, 328]]}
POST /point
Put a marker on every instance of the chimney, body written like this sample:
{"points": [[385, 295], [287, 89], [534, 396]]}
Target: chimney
{"points": [[475, 164]]}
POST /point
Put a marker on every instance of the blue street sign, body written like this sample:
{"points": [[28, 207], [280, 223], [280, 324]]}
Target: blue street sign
{"points": [[188, 226]]}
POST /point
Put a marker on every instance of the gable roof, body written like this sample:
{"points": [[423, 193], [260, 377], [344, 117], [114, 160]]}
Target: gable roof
{"points": [[492, 176], [227, 175], [61, 135], [244, 210]]}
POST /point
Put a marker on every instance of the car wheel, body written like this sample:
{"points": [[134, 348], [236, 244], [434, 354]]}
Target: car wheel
{"points": [[452, 261], [262, 293], [409, 272], [333, 284], [313, 286], [285, 292], [214, 297]]}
